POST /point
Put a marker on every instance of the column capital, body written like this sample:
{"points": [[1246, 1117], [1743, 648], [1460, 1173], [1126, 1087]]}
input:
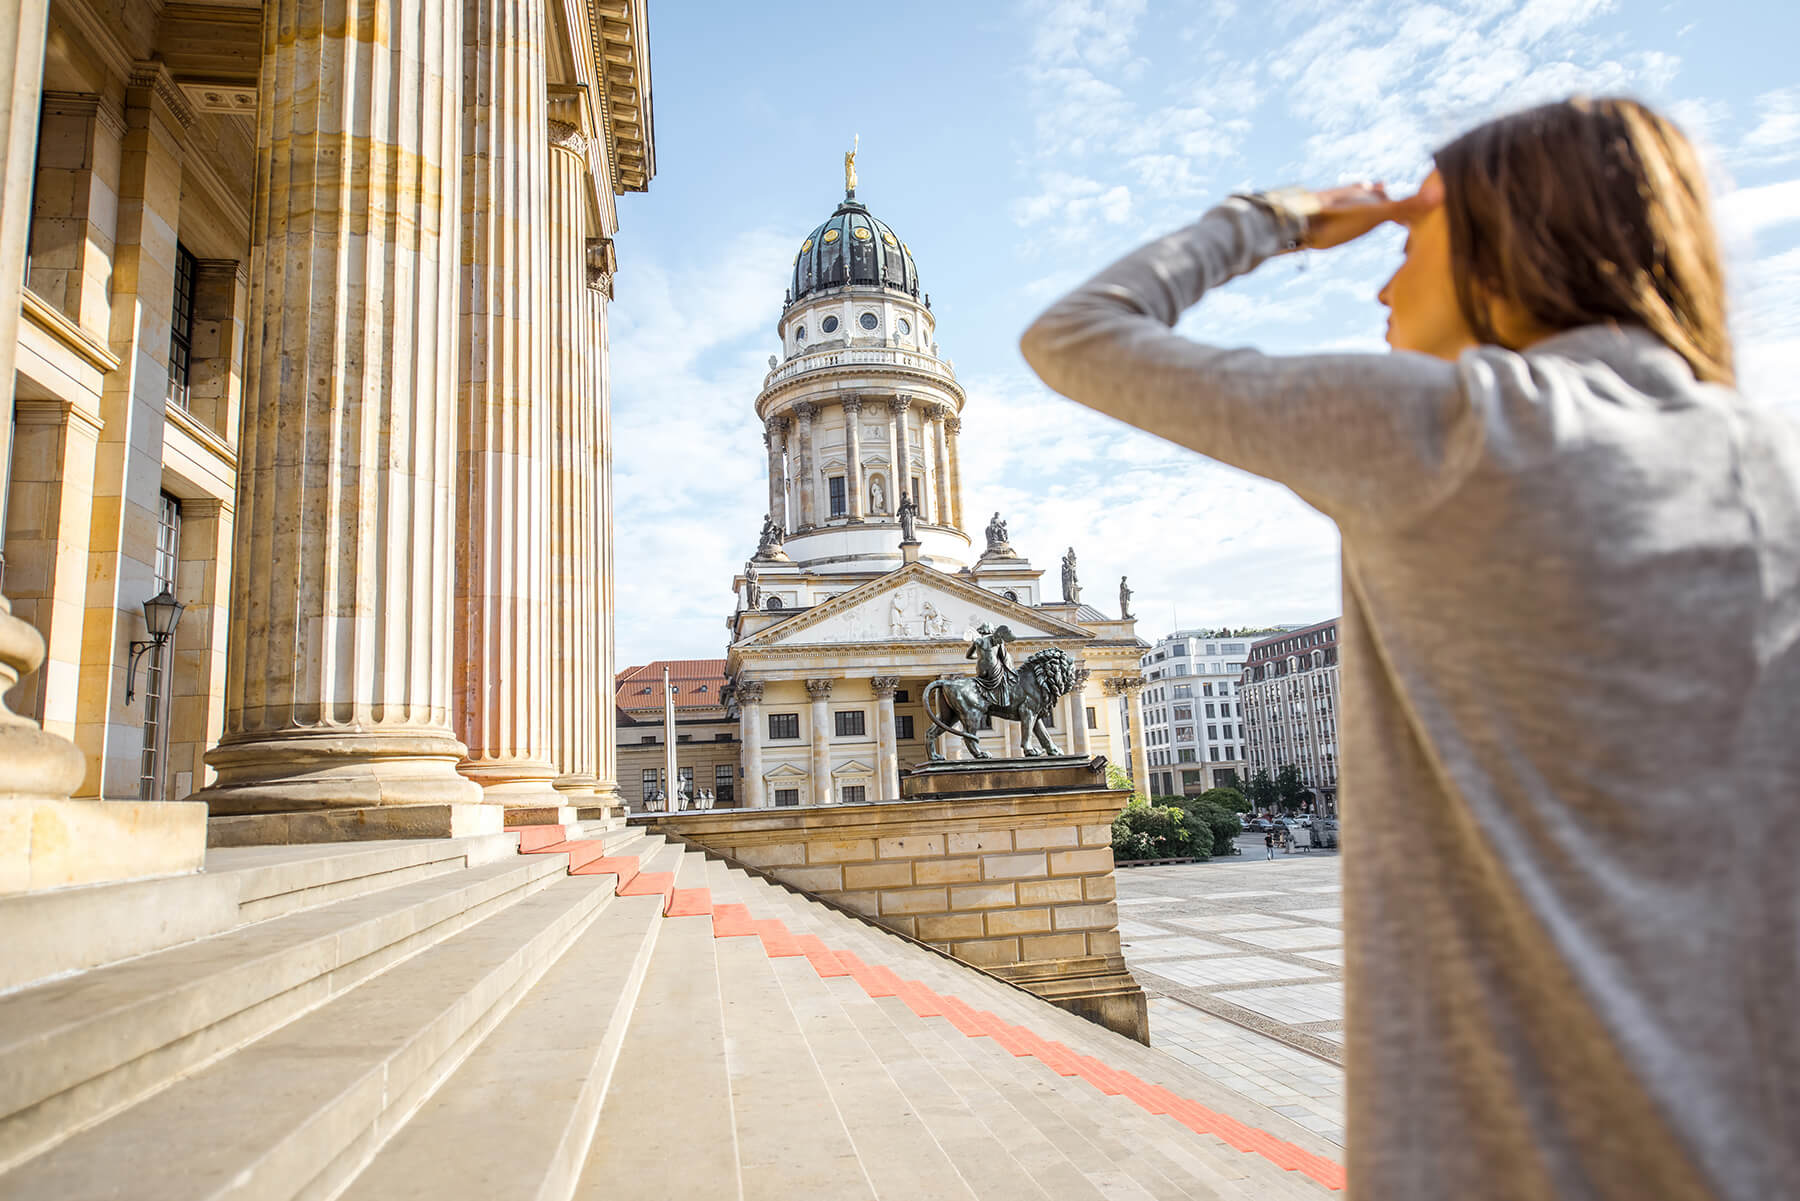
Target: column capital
{"points": [[602, 263], [899, 403], [852, 404], [819, 690], [777, 425], [750, 692], [806, 410], [953, 423], [564, 136], [937, 410], [885, 686], [1082, 675], [1123, 685], [152, 77]]}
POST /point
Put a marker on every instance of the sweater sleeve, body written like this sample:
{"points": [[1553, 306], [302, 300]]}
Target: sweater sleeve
{"points": [[1365, 438]]}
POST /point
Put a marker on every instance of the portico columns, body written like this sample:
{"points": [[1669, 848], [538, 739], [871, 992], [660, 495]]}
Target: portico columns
{"points": [[902, 450], [942, 512], [820, 691], [1078, 728], [853, 455], [574, 455], [339, 692], [502, 614], [952, 428], [1132, 689], [809, 506], [776, 436], [887, 758], [750, 734]]}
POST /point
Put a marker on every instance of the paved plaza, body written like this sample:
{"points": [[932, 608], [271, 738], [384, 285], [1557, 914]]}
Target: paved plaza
{"points": [[1243, 962]]}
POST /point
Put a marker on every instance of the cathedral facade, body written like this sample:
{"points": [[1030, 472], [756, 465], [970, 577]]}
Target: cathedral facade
{"points": [[867, 583]]}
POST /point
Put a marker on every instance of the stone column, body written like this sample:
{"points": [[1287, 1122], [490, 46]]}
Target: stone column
{"points": [[42, 769], [902, 450], [750, 733], [1132, 688], [1078, 729], [853, 477], [502, 615], [809, 502], [942, 510], [339, 695], [775, 434], [820, 691], [606, 735], [887, 757], [953, 428]]}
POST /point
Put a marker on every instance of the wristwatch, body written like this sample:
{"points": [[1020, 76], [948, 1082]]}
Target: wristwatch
{"points": [[1291, 208]]}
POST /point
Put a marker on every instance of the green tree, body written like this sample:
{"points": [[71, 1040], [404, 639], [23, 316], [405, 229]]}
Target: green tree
{"points": [[1260, 790], [1228, 799], [1290, 787], [1144, 831], [1118, 777]]}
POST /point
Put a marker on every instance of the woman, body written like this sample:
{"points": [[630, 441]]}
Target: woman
{"points": [[1571, 638]]}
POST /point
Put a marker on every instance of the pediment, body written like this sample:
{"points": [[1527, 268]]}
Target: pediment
{"points": [[914, 603], [784, 771], [856, 767]]}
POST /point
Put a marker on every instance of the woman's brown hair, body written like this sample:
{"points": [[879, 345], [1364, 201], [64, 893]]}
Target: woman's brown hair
{"points": [[1586, 212]]}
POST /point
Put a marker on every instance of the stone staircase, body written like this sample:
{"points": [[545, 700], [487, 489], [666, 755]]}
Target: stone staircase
{"points": [[603, 1015]]}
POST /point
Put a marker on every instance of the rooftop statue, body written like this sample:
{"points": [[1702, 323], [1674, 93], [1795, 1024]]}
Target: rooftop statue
{"points": [[1026, 695], [752, 586], [850, 167], [1124, 600], [996, 533], [768, 545], [909, 515], [1071, 587]]}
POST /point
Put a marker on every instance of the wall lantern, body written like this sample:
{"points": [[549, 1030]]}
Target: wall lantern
{"points": [[162, 613]]}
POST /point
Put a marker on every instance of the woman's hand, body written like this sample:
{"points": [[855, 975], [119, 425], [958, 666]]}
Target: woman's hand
{"points": [[1348, 212]]}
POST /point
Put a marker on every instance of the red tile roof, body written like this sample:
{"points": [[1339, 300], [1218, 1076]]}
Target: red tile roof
{"points": [[698, 684]]}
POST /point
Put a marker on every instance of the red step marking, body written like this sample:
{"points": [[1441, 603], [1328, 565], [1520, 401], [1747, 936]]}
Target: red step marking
{"points": [[826, 963], [625, 867], [732, 921], [689, 902], [535, 838], [777, 942], [646, 884]]}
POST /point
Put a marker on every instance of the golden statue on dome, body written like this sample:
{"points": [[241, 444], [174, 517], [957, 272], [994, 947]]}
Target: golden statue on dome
{"points": [[850, 166]]}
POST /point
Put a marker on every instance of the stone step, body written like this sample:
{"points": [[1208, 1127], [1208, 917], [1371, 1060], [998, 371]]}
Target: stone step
{"points": [[76, 1049], [515, 1120], [1203, 1154], [299, 1111], [275, 880]]}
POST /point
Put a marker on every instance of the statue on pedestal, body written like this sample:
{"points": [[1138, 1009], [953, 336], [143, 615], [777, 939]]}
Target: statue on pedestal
{"points": [[768, 545], [752, 586], [996, 536], [1071, 587], [1026, 695], [1124, 600], [909, 515]]}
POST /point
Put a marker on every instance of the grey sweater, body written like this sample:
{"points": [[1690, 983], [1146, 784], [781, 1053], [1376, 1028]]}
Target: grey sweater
{"points": [[1570, 731]]}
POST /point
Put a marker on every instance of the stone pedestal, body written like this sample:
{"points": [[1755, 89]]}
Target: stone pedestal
{"points": [[984, 777]]}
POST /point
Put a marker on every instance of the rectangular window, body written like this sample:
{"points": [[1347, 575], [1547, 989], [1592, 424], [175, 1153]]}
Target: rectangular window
{"points": [[839, 506], [902, 697], [650, 779], [1210, 711], [1185, 712], [849, 723], [157, 662], [1212, 732], [1215, 753], [1093, 719], [1182, 690], [724, 782], [787, 796], [784, 725], [685, 776], [855, 794], [181, 328], [1206, 690], [1186, 754], [903, 727]]}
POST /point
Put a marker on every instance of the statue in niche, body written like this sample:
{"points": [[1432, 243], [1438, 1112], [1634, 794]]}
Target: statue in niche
{"points": [[1027, 695], [1071, 587], [768, 546], [877, 496], [1124, 600], [909, 516], [752, 586], [996, 534]]}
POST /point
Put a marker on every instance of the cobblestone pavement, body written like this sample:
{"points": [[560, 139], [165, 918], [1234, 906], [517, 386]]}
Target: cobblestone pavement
{"points": [[1243, 962]]}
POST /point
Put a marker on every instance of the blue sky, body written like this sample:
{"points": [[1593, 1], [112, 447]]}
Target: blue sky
{"points": [[1021, 149]]}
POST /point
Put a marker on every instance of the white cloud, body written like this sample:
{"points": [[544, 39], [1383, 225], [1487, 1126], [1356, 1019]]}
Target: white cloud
{"points": [[1775, 138], [1750, 212]]}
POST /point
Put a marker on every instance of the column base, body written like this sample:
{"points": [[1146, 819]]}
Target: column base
{"points": [[542, 815], [300, 772], [514, 783], [355, 825], [58, 843]]}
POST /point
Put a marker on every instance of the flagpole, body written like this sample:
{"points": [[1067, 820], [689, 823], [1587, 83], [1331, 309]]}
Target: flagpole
{"points": [[672, 789]]}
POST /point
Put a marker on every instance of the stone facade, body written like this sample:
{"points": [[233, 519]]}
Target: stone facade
{"points": [[273, 354], [1290, 698], [707, 743]]}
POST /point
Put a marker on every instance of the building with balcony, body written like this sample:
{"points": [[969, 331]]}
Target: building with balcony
{"points": [[1289, 694], [1193, 722]]}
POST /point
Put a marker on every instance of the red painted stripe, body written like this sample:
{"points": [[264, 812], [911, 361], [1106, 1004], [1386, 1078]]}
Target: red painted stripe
{"points": [[623, 866], [689, 902], [811, 944], [583, 852], [535, 838], [732, 921], [921, 1000], [777, 942], [826, 963], [646, 884]]}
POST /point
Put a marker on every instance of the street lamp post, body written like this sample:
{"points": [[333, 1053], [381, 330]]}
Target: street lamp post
{"points": [[162, 613]]}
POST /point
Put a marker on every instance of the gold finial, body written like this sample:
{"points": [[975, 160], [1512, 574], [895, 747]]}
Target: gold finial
{"points": [[850, 167]]}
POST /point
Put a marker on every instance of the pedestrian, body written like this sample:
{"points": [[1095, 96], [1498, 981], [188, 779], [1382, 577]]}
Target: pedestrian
{"points": [[1549, 494], [1269, 842]]}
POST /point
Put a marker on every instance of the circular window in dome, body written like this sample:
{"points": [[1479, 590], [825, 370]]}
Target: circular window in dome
{"points": [[868, 321], [890, 239], [830, 235], [905, 326], [862, 234], [806, 246], [829, 325]]}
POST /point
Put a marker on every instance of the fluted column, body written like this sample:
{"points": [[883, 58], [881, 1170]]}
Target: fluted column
{"points": [[502, 635], [1132, 689], [820, 691], [952, 429], [902, 449], [805, 411], [853, 478], [574, 448], [40, 766], [1078, 729], [941, 512], [339, 693], [599, 294], [775, 434], [750, 734], [887, 757]]}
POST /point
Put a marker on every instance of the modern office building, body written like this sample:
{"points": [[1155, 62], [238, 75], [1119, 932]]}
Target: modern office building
{"points": [[1289, 694]]}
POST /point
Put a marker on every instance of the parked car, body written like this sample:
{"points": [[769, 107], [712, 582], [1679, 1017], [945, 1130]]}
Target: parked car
{"points": [[1325, 832], [1259, 825]]}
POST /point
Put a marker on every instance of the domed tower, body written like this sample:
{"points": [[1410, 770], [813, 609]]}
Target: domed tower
{"points": [[859, 408]]}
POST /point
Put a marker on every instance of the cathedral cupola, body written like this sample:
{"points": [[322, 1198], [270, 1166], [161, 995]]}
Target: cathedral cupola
{"points": [[853, 247]]}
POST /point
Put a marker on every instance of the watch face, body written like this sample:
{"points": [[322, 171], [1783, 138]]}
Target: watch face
{"points": [[869, 321], [829, 325], [905, 326]]}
